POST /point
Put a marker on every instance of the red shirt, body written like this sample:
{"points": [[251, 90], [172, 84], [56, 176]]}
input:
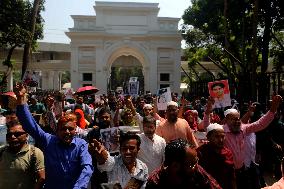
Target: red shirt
{"points": [[200, 179], [218, 165]]}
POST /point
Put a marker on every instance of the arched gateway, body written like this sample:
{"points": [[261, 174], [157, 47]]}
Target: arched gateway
{"points": [[125, 29]]}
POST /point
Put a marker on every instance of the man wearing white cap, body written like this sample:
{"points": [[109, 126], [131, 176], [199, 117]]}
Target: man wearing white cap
{"points": [[216, 159], [173, 127], [235, 138]]}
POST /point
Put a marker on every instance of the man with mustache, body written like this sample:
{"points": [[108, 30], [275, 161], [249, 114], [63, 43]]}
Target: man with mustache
{"points": [[67, 161], [174, 127], [21, 164]]}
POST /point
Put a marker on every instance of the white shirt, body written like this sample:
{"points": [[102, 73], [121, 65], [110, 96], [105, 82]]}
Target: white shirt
{"points": [[250, 150], [152, 153], [117, 171]]}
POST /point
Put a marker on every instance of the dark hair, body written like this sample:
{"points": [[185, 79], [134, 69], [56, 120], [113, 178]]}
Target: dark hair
{"points": [[9, 112], [12, 123], [217, 84], [78, 106], [175, 151], [128, 136], [149, 119], [94, 134], [103, 111]]}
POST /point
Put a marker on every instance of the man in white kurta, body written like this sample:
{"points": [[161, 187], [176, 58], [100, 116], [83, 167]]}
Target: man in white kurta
{"points": [[152, 148]]}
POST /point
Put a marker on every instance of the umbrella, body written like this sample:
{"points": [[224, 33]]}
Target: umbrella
{"points": [[87, 90]]}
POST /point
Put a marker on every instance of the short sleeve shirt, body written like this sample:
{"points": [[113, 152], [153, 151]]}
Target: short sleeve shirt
{"points": [[16, 171]]}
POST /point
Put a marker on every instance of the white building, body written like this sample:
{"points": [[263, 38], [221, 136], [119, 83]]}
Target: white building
{"points": [[122, 29]]}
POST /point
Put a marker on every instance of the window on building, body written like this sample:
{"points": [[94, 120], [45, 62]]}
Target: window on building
{"points": [[51, 56], [87, 77], [164, 86], [164, 77]]}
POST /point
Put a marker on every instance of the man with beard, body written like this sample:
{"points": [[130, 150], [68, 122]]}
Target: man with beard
{"points": [[236, 134], [124, 168], [152, 149], [21, 165], [216, 159], [174, 127], [67, 161], [181, 170]]}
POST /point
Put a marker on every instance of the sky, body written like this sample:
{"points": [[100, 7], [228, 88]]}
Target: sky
{"points": [[58, 20]]}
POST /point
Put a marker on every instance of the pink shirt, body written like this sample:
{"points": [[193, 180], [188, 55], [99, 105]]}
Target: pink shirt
{"points": [[276, 185], [237, 142], [179, 129]]}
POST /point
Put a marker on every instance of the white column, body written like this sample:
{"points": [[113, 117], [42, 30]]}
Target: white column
{"points": [[153, 64], [56, 80], [74, 70], [44, 76], [50, 80], [10, 81], [101, 71], [177, 74]]}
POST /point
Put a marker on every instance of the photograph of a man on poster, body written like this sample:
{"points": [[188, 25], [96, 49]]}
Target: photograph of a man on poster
{"points": [[219, 90]]}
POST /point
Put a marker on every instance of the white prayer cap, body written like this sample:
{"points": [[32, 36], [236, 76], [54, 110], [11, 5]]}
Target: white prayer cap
{"points": [[214, 126], [172, 103], [229, 111], [148, 106]]}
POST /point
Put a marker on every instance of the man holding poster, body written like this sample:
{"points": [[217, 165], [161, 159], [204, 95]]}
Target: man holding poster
{"points": [[219, 90]]}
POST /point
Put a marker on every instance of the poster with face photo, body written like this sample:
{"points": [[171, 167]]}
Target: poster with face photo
{"points": [[163, 97], [219, 90], [109, 139]]}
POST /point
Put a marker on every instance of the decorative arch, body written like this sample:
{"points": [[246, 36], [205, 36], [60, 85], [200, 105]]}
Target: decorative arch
{"points": [[128, 49]]}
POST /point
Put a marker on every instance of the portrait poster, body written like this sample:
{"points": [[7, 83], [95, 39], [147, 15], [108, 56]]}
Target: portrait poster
{"points": [[109, 139], [133, 86], [219, 90], [163, 97], [68, 92]]}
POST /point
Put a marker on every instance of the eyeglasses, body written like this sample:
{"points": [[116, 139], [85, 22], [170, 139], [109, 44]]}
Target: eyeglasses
{"points": [[16, 134]]}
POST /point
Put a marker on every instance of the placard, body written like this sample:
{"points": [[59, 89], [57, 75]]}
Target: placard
{"points": [[219, 90], [109, 139], [163, 97]]}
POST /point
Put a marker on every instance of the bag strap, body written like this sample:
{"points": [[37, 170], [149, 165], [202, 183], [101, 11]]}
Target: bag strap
{"points": [[32, 158], [2, 150]]}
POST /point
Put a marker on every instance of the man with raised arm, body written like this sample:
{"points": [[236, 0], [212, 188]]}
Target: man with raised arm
{"points": [[236, 133], [67, 160]]}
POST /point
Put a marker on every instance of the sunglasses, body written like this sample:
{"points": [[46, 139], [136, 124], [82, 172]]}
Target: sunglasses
{"points": [[16, 134]]}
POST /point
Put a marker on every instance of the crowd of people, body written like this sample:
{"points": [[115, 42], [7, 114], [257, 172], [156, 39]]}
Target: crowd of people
{"points": [[157, 148]]}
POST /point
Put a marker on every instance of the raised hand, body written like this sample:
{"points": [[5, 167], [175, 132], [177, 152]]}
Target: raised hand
{"points": [[276, 101], [20, 92], [209, 106]]}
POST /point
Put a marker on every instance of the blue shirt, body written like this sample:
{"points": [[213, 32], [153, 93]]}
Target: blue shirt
{"points": [[67, 166]]}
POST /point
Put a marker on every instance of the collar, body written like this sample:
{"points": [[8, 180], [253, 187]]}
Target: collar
{"points": [[73, 142], [138, 166]]}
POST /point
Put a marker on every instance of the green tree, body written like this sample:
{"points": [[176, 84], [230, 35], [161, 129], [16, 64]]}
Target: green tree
{"points": [[15, 19], [225, 30]]}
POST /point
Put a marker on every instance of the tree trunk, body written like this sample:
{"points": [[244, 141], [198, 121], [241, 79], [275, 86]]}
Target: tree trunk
{"points": [[27, 47], [9, 69], [254, 53]]}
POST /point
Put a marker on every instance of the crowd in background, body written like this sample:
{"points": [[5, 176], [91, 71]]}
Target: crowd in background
{"points": [[239, 148]]}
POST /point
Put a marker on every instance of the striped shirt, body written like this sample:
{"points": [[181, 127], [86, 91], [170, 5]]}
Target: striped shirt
{"points": [[237, 142]]}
